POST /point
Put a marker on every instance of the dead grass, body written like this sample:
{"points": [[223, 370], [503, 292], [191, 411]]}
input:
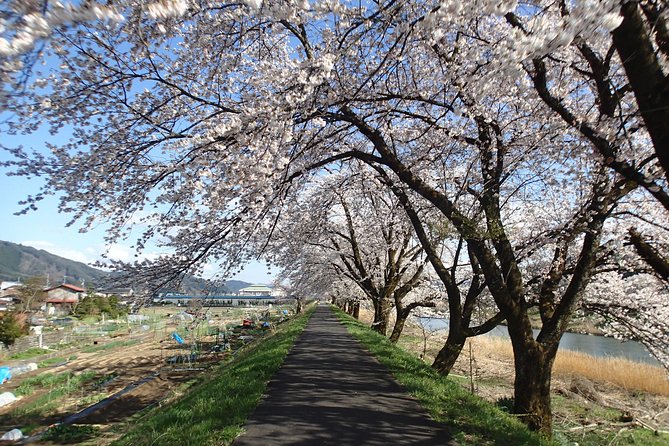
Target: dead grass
{"points": [[624, 373], [628, 375]]}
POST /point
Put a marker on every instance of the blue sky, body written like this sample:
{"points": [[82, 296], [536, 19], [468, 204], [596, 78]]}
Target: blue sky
{"points": [[46, 228]]}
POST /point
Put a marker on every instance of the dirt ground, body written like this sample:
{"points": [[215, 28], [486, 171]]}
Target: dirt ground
{"points": [[578, 402], [142, 372]]}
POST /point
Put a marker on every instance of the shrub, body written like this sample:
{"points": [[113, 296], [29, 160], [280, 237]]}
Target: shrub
{"points": [[12, 327]]}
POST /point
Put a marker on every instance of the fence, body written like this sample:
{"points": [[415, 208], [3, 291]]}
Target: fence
{"points": [[49, 339]]}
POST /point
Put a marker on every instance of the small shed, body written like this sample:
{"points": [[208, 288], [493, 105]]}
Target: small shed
{"points": [[63, 298]]}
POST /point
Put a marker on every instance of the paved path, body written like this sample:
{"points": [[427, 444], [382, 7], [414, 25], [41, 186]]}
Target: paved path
{"points": [[330, 391]]}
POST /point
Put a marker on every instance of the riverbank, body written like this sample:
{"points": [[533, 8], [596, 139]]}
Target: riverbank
{"points": [[595, 400]]}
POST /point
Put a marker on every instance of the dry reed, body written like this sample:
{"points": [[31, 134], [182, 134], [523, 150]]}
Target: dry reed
{"points": [[624, 373]]}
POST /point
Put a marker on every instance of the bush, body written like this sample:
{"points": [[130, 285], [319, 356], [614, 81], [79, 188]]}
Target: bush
{"points": [[12, 327], [93, 305]]}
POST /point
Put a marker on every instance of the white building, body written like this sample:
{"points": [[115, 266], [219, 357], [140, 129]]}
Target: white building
{"points": [[255, 290]]}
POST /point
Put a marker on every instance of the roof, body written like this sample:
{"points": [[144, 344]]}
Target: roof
{"points": [[7, 285], [257, 288], [225, 296], [116, 291], [66, 300], [69, 287]]}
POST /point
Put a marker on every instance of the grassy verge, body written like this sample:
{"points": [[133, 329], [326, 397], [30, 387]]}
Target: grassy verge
{"points": [[108, 346], [215, 408], [472, 420], [59, 384], [30, 353]]}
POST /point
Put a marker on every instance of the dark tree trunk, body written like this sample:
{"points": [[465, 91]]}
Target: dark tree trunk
{"points": [[380, 323], [399, 325], [298, 304], [532, 385], [644, 72], [450, 352], [402, 314], [356, 310]]}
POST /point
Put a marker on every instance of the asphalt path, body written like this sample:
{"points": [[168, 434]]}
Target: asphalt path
{"points": [[330, 391]]}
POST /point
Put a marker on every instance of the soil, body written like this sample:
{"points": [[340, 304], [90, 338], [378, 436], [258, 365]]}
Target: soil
{"points": [[143, 370]]}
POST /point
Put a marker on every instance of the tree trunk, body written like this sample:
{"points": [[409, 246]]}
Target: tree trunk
{"points": [[644, 72], [356, 310], [298, 308], [532, 386], [450, 352], [380, 323], [401, 318]]}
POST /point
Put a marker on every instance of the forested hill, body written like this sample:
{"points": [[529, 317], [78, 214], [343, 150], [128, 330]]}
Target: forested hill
{"points": [[18, 262]]}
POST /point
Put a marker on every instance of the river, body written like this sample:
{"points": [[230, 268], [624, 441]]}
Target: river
{"points": [[600, 346]]}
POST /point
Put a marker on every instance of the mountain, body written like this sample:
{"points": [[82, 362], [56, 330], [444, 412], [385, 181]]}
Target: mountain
{"points": [[233, 286], [196, 285], [21, 262], [18, 262]]}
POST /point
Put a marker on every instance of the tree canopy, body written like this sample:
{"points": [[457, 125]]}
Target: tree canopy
{"points": [[533, 132]]}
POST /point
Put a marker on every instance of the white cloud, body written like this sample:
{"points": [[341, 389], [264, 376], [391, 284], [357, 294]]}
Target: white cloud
{"points": [[120, 252], [88, 256], [123, 253]]}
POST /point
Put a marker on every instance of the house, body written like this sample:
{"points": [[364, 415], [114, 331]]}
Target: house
{"points": [[63, 298], [225, 300], [9, 295], [256, 290], [123, 293]]}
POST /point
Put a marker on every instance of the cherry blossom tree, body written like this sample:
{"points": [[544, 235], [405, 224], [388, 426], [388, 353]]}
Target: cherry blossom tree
{"points": [[200, 121], [620, 103], [371, 245], [629, 293]]}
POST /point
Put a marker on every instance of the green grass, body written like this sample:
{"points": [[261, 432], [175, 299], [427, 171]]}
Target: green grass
{"points": [[70, 434], [108, 346], [60, 385], [615, 436], [30, 353], [215, 408], [609, 431], [65, 381], [51, 362], [472, 420]]}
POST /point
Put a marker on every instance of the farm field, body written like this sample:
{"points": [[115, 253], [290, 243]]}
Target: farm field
{"points": [[141, 365]]}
